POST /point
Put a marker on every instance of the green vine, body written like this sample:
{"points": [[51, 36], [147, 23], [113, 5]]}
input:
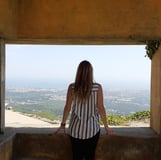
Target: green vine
{"points": [[151, 47]]}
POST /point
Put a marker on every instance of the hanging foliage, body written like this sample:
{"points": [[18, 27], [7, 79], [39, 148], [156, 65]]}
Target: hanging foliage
{"points": [[151, 47]]}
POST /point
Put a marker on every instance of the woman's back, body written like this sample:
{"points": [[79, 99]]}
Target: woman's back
{"points": [[84, 122]]}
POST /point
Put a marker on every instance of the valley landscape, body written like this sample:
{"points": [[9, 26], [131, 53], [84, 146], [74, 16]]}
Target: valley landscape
{"points": [[49, 103]]}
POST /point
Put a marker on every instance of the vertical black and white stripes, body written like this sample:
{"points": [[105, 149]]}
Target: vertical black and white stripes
{"points": [[84, 122]]}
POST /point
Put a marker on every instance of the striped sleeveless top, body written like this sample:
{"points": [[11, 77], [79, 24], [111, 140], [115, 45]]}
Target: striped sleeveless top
{"points": [[84, 119]]}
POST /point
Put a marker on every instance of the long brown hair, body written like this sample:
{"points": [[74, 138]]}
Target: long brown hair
{"points": [[83, 81]]}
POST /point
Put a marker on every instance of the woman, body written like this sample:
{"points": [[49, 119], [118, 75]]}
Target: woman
{"points": [[85, 101]]}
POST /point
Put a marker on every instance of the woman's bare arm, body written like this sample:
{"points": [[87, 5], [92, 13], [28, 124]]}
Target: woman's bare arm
{"points": [[67, 109], [102, 110]]}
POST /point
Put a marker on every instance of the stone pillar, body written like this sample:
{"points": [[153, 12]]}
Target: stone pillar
{"points": [[155, 122], [2, 85]]}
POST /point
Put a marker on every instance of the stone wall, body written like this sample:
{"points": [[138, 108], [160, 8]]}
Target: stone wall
{"points": [[6, 149], [123, 19], [58, 147], [82, 22], [70, 21], [8, 18], [156, 92]]}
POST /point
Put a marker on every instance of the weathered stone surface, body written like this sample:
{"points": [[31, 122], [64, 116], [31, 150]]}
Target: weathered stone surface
{"points": [[8, 18], [83, 22], [2, 85], [156, 92], [58, 147], [6, 149], [55, 147], [128, 148], [69, 21]]}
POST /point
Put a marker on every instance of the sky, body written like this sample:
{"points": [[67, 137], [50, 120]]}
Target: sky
{"points": [[115, 66]]}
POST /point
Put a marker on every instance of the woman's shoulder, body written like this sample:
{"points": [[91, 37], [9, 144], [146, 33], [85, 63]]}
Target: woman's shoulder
{"points": [[96, 84], [71, 85]]}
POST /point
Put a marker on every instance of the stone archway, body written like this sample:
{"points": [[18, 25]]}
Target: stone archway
{"points": [[83, 22], [155, 89]]}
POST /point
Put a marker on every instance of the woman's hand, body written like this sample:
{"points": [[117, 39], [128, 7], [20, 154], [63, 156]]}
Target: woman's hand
{"points": [[61, 129], [109, 131]]}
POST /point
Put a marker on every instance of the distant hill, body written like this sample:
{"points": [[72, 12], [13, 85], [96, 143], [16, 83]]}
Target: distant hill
{"points": [[51, 101]]}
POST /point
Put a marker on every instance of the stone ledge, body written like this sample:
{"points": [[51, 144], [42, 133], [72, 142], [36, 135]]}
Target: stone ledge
{"points": [[41, 143], [58, 147]]}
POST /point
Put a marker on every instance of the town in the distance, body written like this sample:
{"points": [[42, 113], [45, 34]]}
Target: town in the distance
{"points": [[50, 102]]}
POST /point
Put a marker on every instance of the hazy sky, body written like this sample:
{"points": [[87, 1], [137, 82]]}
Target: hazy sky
{"points": [[114, 65]]}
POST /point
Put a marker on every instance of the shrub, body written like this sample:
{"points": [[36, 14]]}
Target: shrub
{"points": [[142, 115], [116, 120]]}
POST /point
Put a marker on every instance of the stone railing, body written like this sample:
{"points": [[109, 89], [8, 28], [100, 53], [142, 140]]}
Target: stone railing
{"points": [[47, 146], [58, 147]]}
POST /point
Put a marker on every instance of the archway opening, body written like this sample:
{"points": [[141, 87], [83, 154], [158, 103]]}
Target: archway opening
{"points": [[37, 77]]}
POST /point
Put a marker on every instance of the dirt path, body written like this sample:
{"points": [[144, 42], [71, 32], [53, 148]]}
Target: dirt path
{"points": [[16, 119]]}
